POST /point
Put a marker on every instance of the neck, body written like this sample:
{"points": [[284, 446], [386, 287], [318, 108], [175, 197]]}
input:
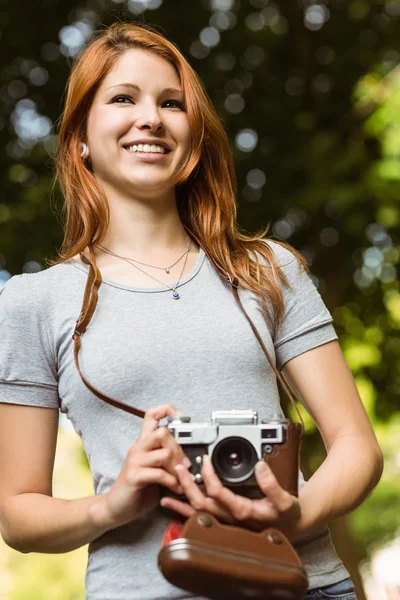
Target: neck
{"points": [[145, 232]]}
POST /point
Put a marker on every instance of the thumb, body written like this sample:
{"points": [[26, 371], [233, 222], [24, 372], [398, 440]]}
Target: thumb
{"points": [[264, 475]]}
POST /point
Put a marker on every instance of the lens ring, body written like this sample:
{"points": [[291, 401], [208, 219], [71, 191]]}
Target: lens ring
{"points": [[231, 470]]}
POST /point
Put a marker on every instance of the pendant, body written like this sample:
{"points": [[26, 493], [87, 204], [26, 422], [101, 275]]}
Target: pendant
{"points": [[167, 270], [175, 295]]}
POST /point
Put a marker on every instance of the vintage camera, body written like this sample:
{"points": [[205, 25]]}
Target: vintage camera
{"points": [[236, 440]]}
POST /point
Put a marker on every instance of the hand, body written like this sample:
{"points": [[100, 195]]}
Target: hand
{"points": [[150, 461], [278, 509]]}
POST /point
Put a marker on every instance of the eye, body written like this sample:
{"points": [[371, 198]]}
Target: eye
{"points": [[176, 102], [119, 98]]}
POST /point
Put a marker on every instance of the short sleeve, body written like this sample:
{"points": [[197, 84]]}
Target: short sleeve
{"points": [[28, 373], [307, 323]]}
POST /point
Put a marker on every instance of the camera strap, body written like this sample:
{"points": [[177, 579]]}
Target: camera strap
{"points": [[90, 298]]}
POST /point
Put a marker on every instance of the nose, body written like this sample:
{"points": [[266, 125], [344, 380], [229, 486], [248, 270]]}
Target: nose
{"points": [[148, 117]]}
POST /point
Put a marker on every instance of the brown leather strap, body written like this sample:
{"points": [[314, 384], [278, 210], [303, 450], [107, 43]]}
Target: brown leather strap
{"points": [[267, 354], [89, 303]]}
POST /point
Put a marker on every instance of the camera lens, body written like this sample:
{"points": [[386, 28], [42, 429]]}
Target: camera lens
{"points": [[234, 459]]}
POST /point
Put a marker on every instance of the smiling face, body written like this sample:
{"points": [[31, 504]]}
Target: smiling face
{"points": [[140, 101]]}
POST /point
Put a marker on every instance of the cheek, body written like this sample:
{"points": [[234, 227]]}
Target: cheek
{"points": [[184, 135], [103, 124]]}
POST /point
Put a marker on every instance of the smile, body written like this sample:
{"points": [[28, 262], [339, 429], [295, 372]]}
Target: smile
{"points": [[147, 149], [149, 156]]}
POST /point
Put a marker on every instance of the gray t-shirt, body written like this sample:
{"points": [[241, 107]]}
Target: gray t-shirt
{"points": [[145, 348]]}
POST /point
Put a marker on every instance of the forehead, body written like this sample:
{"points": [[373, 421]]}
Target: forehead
{"points": [[142, 68]]}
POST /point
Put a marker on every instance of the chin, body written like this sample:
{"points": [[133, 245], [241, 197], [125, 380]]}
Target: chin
{"points": [[147, 187]]}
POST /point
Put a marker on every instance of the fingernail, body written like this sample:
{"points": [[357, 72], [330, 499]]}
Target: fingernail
{"points": [[261, 466], [187, 462]]}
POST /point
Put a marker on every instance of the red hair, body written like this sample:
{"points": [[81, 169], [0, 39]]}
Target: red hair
{"points": [[207, 184]]}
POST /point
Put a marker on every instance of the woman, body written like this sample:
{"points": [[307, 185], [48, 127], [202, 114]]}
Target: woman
{"points": [[148, 181]]}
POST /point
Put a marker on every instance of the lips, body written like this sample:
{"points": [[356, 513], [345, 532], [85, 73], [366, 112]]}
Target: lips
{"points": [[148, 157]]}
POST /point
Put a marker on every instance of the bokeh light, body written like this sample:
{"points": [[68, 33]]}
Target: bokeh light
{"points": [[209, 37], [315, 16], [29, 125], [234, 103], [73, 37], [246, 140]]}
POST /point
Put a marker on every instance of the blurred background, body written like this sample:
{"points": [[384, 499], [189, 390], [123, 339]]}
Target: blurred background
{"points": [[310, 96]]}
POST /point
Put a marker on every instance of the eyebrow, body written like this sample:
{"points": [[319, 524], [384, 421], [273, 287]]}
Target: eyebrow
{"points": [[135, 87]]}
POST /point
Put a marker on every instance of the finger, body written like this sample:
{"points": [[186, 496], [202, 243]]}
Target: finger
{"points": [[183, 508], [158, 438], [155, 458], [197, 499], [147, 476], [190, 488], [239, 507], [242, 509], [186, 510], [280, 498], [153, 416], [162, 438]]}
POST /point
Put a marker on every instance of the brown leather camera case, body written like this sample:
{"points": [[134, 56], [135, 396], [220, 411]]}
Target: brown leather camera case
{"points": [[223, 561]]}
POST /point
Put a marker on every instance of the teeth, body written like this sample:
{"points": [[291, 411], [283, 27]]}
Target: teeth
{"points": [[147, 148]]}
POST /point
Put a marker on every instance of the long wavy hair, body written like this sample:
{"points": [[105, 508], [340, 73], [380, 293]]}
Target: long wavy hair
{"points": [[206, 189]]}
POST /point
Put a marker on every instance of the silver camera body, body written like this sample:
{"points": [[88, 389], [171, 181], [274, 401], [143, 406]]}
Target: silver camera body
{"points": [[235, 440]]}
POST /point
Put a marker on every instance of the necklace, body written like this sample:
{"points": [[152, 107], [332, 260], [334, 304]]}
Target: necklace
{"points": [[175, 294], [166, 269]]}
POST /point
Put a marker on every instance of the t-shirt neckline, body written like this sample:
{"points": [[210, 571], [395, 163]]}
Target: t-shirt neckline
{"points": [[115, 284]]}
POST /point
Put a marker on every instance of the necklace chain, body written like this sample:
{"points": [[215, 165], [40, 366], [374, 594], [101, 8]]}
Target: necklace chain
{"points": [[166, 269], [175, 294]]}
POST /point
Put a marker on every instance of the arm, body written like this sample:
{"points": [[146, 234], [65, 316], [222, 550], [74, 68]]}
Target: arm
{"points": [[30, 519], [322, 380]]}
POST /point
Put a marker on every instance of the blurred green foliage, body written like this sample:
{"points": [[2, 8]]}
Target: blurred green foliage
{"points": [[310, 96]]}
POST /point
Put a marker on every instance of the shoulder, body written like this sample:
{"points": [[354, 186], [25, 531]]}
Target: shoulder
{"points": [[286, 267], [282, 253], [282, 259], [29, 289]]}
